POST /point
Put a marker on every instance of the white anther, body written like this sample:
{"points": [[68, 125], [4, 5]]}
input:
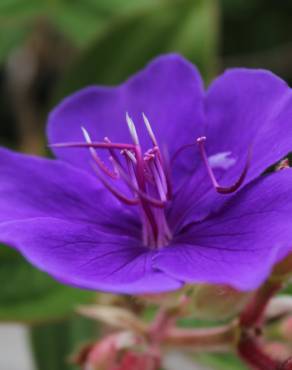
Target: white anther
{"points": [[149, 129], [86, 135], [88, 139], [132, 129], [131, 156]]}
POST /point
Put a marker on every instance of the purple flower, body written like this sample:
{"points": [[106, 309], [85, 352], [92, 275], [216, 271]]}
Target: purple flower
{"points": [[157, 183]]}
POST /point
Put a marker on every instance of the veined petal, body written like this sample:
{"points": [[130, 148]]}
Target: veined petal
{"points": [[240, 243], [169, 91], [78, 254], [35, 187], [245, 109]]}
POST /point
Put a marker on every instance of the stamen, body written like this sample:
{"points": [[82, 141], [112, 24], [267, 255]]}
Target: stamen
{"points": [[94, 144], [159, 186], [147, 177], [167, 172], [139, 177], [220, 189], [131, 168], [152, 201], [95, 156], [132, 129], [111, 159], [161, 175], [149, 129], [115, 192], [113, 153], [130, 155]]}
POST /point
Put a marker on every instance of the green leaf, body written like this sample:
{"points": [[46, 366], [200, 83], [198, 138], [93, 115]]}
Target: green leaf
{"points": [[54, 343], [78, 20], [28, 295], [128, 43]]}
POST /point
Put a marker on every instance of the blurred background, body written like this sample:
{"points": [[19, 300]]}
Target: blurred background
{"points": [[49, 48]]}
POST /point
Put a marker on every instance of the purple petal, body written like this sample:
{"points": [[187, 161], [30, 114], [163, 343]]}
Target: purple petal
{"points": [[249, 108], [169, 91], [79, 254], [34, 187], [240, 244], [245, 109]]}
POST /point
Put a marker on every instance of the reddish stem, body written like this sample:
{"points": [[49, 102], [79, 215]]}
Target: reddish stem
{"points": [[254, 311], [252, 353], [287, 365], [161, 325]]}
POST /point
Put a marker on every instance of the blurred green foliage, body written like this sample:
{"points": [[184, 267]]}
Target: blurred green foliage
{"points": [[129, 42], [55, 344], [30, 296]]}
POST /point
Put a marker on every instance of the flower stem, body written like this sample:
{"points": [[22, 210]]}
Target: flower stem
{"points": [[219, 338], [287, 365], [252, 353], [254, 311]]}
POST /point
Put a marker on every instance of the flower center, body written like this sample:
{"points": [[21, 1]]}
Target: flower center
{"points": [[146, 175]]}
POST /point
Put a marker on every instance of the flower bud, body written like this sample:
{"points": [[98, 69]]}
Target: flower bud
{"points": [[217, 301], [166, 300], [136, 361], [120, 318], [103, 355], [279, 351], [287, 365], [119, 351]]}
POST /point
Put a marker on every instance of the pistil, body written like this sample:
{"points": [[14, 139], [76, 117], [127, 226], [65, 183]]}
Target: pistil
{"points": [[221, 189]]}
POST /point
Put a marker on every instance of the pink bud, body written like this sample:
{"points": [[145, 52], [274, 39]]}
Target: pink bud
{"points": [[217, 301], [137, 361], [121, 351], [278, 351], [287, 365], [102, 355]]}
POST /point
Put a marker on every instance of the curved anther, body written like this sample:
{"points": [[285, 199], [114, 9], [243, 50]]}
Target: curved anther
{"points": [[149, 129], [129, 155], [96, 158], [221, 189], [132, 129]]}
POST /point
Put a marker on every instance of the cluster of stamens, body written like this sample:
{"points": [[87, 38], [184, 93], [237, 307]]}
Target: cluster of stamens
{"points": [[147, 176]]}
